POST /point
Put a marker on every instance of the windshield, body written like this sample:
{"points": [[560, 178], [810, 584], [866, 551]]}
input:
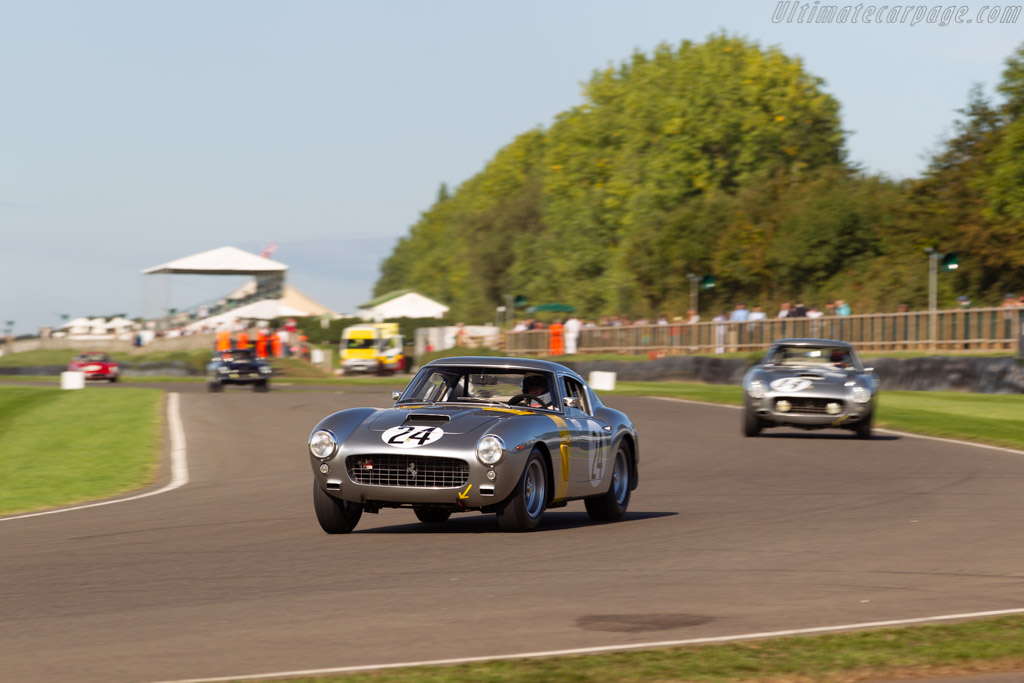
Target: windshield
{"points": [[360, 343], [480, 385], [94, 357], [818, 356], [238, 354]]}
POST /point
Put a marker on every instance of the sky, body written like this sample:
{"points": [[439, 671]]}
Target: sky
{"points": [[136, 132]]}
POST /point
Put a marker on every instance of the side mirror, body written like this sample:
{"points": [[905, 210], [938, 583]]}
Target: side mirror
{"points": [[572, 402], [395, 395]]}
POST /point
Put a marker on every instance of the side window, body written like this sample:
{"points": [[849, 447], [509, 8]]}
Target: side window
{"points": [[574, 389]]}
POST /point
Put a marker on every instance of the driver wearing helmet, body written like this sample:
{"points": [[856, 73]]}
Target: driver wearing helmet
{"points": [[537, 387]]}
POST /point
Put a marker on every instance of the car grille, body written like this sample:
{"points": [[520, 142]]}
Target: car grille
{"points": [[802, 405], [418, 471]]}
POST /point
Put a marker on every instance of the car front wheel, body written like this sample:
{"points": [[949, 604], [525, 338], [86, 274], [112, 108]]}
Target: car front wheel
{"points": [[751, 422], [864, 426], [611, 506], [335, 516], [523, 509]]}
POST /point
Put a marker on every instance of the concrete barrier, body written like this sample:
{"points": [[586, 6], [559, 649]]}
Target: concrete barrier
{"points": [[72, 379]]}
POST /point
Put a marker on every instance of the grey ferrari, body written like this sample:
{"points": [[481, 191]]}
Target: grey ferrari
{"points": [[810, 384], [511, 436]]}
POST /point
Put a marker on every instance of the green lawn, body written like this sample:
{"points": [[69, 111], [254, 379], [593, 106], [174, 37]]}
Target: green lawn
{"points": [[59, 447]]}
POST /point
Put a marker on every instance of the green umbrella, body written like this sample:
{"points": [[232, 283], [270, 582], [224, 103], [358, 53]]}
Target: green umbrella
{"points": [[551, 308]]}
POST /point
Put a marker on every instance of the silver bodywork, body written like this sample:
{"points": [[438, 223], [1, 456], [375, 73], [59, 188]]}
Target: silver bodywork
{"points": [[810, 384], [422, 452]]}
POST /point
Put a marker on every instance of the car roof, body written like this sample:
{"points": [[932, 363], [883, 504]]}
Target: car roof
{"points": [[807, 341], [501, 362]]}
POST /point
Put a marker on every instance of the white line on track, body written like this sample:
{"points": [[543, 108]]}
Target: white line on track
{"points": [[877, 429], [179, 466], [610, 648]]}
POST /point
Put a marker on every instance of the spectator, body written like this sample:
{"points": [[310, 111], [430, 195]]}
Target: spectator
{"points": [[799, 312], [963, 302], [739, 314], [842, 308], [813, 312], [1010, 301], [572, 334], [903, 308], [784, 310], [756, 314], [692, 317], [830, 308], [720, 329]]}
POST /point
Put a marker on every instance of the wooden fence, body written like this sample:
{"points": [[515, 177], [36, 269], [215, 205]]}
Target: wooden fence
{"points": [[980, 329]]}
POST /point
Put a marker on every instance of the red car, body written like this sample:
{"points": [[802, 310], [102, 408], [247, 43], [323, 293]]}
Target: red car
{"points": [[95, 365]]}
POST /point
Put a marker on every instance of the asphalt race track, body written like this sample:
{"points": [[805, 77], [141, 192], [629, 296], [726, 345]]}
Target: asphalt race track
{"points": [[231, 575]]}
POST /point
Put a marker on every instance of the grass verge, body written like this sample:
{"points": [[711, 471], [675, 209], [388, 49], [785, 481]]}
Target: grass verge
{"points": [[61, 447]]}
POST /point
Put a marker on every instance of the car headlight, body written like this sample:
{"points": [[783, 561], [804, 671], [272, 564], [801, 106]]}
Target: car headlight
{"points": [[223, 369], [490, 449], [265, 370], [756, 389], [322, 444], [860, 395]]}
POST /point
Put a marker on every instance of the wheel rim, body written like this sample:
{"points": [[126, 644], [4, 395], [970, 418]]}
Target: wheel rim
{"points": [[620, 478], [533, 489]]}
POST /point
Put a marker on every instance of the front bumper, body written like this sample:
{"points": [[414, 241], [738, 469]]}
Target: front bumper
{"points": [[810, 412], [246, 377], [471, 490]]}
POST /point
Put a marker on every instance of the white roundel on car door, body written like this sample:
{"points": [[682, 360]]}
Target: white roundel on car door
{"points": [[406, 436], [789, 384]]}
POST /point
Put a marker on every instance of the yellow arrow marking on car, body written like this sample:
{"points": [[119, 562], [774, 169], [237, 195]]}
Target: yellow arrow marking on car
{"points": [[465, 494], [509, 410], [562, 483]]}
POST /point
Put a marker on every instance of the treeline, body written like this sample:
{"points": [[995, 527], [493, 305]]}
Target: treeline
{"points": [[721, 158]]}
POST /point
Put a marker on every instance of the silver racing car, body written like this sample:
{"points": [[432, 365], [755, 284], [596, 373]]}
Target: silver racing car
{"points": [[511, 436], [810, 384]]}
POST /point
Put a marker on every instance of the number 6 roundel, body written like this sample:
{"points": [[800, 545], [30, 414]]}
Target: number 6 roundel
{"points": [[411, 437]]}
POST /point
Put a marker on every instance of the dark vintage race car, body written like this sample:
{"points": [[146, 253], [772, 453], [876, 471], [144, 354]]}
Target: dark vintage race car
{"points": [[810, 384], [505, 435], [238, 366], [96, 365]]}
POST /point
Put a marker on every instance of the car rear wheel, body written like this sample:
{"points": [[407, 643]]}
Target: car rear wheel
{"points": [[215, 386], [523, 509], [864, 426], [335, 516], [752, 424], [611, 506], [113, 379], [432, 515]]}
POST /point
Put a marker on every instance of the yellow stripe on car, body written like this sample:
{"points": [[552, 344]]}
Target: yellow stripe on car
{"points": [[562, 483]]}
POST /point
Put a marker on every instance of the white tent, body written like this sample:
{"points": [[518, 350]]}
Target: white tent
{"points": [[220, 261]]}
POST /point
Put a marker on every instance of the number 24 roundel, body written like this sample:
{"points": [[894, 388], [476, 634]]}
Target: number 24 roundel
{"points": [[411, 437]]}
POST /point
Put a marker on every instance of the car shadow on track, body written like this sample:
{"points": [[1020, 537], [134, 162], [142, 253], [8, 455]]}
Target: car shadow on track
{"points": [[826, 435], [486, 523]]}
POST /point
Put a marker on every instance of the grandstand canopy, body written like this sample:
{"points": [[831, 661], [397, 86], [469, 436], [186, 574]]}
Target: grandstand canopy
{"points": [[221, 261]]}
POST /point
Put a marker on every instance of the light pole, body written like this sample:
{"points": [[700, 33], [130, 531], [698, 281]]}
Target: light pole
{"points": [[694, 279], [949, 262]]}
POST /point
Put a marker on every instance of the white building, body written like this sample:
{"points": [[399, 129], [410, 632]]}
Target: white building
{"points": [[403, 303]]}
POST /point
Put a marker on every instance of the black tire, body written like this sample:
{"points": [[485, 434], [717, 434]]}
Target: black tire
{"points": [[262, 385], [432, 515], [863, 430], [335, 516], [523, 509], [611, 506], [752, 424], [215, 386], [113, 379]]}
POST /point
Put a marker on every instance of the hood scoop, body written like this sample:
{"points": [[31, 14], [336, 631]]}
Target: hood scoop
{"points": [[428, 418], [811, 375]]}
